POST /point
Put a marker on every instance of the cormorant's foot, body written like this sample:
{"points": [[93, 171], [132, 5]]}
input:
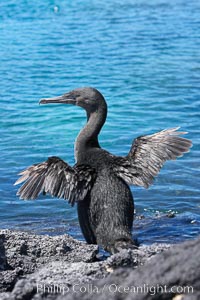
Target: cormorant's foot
{"points": [[122, 244]]}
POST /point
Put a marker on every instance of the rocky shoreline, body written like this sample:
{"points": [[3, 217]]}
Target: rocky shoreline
{"points": [[60, 267]]}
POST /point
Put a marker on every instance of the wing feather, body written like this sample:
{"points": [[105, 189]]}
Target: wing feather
{"points": [[57, 178], [148, 154]]}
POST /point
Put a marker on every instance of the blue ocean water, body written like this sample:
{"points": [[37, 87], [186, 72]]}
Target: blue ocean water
{"points": [[144, 57]]}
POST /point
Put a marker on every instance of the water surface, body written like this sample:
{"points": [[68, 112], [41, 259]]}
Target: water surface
{"points": [[144, 58]]}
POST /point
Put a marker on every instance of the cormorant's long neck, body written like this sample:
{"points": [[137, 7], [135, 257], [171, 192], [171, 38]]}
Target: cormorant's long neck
{"points": [[88, 136]]}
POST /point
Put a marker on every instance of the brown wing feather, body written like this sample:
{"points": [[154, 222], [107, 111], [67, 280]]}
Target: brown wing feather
{"points": [[57, 178], [148, 154]]}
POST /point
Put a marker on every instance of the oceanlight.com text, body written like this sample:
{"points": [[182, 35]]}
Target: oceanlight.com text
{"points": [[112, 289]]}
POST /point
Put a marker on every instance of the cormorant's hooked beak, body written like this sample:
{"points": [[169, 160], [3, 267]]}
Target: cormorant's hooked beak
{"points": [[68, 98]]}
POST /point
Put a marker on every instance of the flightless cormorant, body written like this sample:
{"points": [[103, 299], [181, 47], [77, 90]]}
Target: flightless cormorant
{"points": [[99, 181]]}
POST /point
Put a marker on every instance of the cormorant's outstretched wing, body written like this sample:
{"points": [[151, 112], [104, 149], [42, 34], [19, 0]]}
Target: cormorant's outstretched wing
{"points": [[57, 178], [148, 154]]}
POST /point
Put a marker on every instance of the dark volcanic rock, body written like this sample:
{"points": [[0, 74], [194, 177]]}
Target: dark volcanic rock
{"points": [[173, 274], [2, 253], [22, 253], [37, 267]]}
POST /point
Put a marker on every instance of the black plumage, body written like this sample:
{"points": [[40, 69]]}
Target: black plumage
{"points": [[99, 180]]}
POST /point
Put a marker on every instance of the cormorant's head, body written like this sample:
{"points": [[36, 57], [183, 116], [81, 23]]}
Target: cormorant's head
{"points": [[88, 98]]}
